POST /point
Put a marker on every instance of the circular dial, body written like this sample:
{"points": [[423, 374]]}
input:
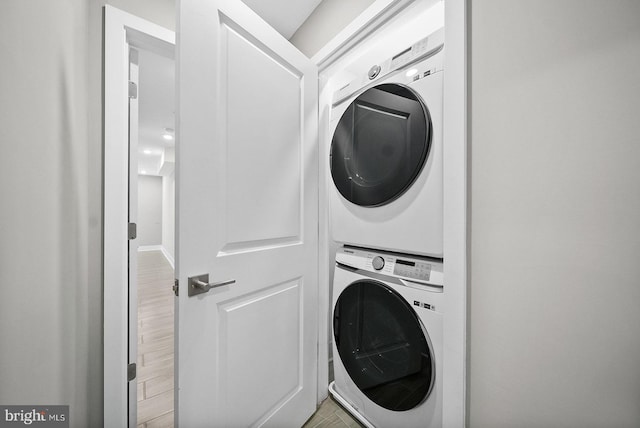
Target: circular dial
{"points": [[378, 262], [374, 71]]}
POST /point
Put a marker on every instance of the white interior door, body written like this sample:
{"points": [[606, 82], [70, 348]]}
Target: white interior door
{"points": [[132, 390], [247, 204]]}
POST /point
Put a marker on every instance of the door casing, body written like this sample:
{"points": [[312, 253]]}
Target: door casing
{"points": [[121, 31]]}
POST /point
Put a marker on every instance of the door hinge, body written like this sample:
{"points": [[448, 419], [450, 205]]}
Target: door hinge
{"points": [[175, 287], [133, 90], [131, 372], [132, 231]]}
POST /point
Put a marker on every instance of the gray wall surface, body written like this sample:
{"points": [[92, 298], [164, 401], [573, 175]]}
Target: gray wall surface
{"points": [[51, 213], [50, 323], [325, 22], [150, 210], [555, 209], [169, 214]]}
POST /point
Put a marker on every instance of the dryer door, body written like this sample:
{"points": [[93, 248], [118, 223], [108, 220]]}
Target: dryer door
{"points": [[383, 345], [380, 145]]}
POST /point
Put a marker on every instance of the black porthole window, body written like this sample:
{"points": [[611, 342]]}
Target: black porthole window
{"points": [[383, 346], [380, 145]]}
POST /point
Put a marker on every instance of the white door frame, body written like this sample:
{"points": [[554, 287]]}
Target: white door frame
{"points": [[121, 30]]}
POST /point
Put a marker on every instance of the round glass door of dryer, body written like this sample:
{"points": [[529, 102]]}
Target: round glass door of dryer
{"points": [[380, 145], [383, 345]]}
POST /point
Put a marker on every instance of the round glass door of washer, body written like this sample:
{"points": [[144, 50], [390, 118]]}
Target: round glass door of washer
{"points": [[383, 345], [380, 145]]}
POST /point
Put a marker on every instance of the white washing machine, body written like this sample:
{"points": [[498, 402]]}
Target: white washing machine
{"points": [[386, 153], [387, 331]]}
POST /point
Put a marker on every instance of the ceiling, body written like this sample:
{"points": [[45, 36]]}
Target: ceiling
{"points": [[287, 23], [156, 88], [156, 105]]}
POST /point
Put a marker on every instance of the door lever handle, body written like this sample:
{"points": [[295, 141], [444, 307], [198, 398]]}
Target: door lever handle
{"points": [[208, 286], [200, 284]]}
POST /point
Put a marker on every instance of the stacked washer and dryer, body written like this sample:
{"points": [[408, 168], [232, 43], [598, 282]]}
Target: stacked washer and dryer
{"points": [[386, 210]]}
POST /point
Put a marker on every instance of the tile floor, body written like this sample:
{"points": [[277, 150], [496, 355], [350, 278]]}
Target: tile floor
{"points": [[331, 415]]}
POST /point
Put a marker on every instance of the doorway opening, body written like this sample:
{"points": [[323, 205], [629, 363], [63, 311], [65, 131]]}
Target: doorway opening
{"points": [[130, 43], [152, 161]]}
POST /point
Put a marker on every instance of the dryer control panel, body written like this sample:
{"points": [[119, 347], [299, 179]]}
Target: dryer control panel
{"points": [[411, 269], [419, 51]]}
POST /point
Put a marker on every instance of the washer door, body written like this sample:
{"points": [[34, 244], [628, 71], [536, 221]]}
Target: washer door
{"points": [[383, 345], [380, 145]]}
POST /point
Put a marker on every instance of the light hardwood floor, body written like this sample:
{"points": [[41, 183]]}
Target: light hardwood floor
{"points": [[155, 341]]}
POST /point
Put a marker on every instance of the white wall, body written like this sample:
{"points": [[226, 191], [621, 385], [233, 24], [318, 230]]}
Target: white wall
{"points": [[325, 22], [161, 12], [51, 212], [168, 215], [150, 209], [555, 209]]}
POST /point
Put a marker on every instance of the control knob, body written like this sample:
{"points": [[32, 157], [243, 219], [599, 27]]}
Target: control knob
{"points": [[374, 71], [377, 262]]}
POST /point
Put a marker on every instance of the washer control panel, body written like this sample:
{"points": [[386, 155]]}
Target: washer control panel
{"points": [[412, 269]]}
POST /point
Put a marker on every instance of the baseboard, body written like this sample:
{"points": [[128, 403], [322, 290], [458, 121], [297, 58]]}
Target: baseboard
{"points": [[168, 256], [160, 248], [150, 248]]}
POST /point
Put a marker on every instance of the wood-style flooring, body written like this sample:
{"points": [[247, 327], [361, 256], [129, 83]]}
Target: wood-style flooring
{"points": [[155, 340], [155, 351]]}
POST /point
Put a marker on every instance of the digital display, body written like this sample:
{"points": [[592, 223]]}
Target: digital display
{"points": [[405, 262]]}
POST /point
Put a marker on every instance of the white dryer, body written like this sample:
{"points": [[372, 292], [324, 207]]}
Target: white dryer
{"points": [[386, 154], [387, 330]]}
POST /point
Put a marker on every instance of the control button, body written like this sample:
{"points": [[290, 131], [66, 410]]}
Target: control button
{"points": [[378, 262], [374, 71]]}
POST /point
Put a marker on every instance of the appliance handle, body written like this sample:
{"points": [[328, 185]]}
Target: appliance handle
{"points": [[336, 327], [392, 279]]}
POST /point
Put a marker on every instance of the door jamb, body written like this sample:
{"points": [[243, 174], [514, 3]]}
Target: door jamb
{"points": [[120, 30]]}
